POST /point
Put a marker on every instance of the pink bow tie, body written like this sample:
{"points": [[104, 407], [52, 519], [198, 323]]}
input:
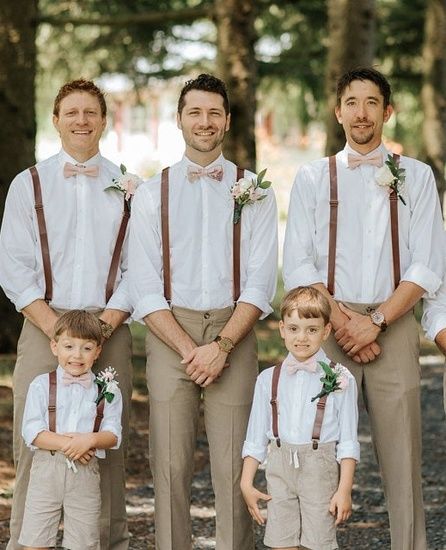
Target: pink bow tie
{"points": [[215, 173], [83, 379], [356, 160], [293, 365], [70, 169]]}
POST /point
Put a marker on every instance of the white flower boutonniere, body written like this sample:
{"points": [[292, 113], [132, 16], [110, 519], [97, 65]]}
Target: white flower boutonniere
{"points": [[106, 380], [126, 183], [247, 191], [334, 380], [392, 176]]}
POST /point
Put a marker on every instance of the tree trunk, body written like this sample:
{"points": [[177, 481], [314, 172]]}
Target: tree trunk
{"points": [[351, 44], [237, 67], [433, 93], [17, 115]]}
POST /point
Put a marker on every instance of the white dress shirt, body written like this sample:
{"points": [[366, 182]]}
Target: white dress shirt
{"points": [[364, 265], [75, 410], [201, 226], [297, 413], [82, 222], [434, 313]]}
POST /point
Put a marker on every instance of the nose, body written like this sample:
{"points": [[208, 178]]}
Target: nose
{"points": [[81, 118], [361, 111], [204, 119]]}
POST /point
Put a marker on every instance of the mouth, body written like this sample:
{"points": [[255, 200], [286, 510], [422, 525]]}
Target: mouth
{"points": [[362, 126], [207, 133], [82, 132]]}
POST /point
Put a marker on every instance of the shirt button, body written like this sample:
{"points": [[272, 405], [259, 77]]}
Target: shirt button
{"points": [[207, 315]]}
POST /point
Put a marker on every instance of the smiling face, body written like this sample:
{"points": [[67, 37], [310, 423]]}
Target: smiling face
{"points": [[204, 122], [303, 337], [75, 355], [362, 115], [80, 125]]}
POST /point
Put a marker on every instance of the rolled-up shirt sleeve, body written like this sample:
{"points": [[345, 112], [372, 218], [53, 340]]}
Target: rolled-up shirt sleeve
{"points": [[256, 442], [19, 272], [145, 258], [348, 445], [35, 416], [260, 274], [112, 418], [299, 252], [426, 236], [434, 313]]}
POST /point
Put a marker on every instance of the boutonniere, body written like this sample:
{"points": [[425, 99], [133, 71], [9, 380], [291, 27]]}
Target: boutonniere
{"points": [[126, 183], [334, 380], [106, 380], [392, 176], [247, 191]]}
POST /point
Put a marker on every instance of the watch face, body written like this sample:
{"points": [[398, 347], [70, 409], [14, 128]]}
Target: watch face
{"points": [[377, 317]]}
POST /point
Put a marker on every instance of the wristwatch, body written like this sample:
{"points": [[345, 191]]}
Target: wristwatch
{"points": [[224, 343], [379, 320], [106, 328]]}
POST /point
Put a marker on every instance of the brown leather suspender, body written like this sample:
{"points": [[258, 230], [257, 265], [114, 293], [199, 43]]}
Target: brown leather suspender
{"points": [[52, 400], [320, 409], [393, 200], [38, 205], [111, 278], [166, 243]]}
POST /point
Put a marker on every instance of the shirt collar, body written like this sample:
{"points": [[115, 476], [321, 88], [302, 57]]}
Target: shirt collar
{"points": [[343, 155], [185, 162], [65, 157], [318, 356]]}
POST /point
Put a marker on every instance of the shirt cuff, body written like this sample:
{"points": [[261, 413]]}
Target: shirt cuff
{"points": [[348, 449], [29, 434], [437, 325], [149, 304], [121, 301], [28, 297], [305, 275], [256, 298], [422, 276], [259, 453]]}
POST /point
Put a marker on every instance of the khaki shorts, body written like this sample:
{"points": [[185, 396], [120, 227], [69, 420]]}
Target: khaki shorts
{"points": [[298, 510], [53, 487]]}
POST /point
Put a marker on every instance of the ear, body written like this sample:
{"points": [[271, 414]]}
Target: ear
{"points": [[327, 330], [388, 111], [53, 346], [228, 122], [104, 123], [338, 114], [98, 352], [179, 121], [56, 123], [282, 329]]}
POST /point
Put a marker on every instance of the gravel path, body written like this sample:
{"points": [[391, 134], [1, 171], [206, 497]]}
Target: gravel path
{"points": [[368, 527]]}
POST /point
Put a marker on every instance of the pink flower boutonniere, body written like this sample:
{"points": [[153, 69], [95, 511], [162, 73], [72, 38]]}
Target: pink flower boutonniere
{"points": [[126, 183], [247, 191], [392, 176], [106, 380], [334, 380]]}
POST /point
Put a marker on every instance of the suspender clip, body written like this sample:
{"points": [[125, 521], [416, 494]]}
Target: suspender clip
{"points": [[315, 444]]}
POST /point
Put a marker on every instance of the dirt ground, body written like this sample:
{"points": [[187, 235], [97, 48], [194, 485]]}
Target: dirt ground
{"points": [[367, 529]]}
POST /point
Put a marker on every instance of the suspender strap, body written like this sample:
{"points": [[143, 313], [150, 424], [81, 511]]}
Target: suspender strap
{"points": [[117, 252], [333, 224], [99, 413], [165, 233], [38, 205], [52, 396], [275, 416], [236, 245], [394, 231], [319, 418], [166, 245]]}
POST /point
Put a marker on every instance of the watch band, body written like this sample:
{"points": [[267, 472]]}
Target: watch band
{"points": [[106, 328], [224, 343]]}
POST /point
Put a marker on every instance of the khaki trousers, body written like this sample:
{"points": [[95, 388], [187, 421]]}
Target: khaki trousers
{"points": [[174, 413], [34, 357], [390, 387]]}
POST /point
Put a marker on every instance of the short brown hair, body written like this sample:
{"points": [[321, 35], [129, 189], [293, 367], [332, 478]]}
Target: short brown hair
{"points": [[204, 83], [364, 73], [79, 323], [80, 85], [308, 302]]}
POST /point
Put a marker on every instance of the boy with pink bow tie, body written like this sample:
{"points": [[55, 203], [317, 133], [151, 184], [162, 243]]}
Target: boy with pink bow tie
{"points": [[70, 418], [311, 431]]}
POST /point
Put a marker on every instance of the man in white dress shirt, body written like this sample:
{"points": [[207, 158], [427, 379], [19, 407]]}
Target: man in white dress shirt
{"points": [[434, 323], [185, 282], [69, 258], [374, 256]]}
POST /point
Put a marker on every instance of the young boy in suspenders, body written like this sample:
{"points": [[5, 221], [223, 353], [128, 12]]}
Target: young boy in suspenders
{"points": [[306, 411], [69, 420]]}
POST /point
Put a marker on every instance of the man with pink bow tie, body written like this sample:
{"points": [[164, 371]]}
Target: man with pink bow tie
{"points": [[365, 228], [200, 282], [62, 247]]}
